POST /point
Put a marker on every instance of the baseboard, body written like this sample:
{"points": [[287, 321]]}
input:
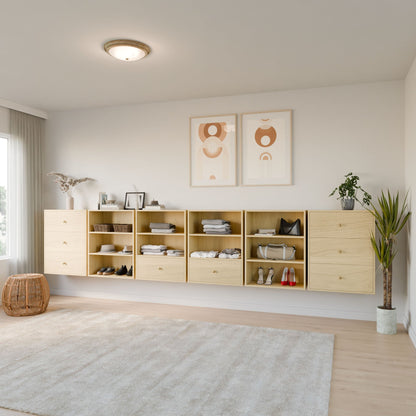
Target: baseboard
{"points": [[412, 334], [229, 304]]}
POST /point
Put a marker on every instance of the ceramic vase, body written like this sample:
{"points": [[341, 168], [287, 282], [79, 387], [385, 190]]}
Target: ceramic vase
{"points": [[69, 201]]}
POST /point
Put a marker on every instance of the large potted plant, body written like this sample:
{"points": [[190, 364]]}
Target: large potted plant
{"points": [[348, 192], [390, 217]]}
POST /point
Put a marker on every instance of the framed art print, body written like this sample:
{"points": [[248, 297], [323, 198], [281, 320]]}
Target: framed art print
{"points": [[213, 150], [266, 147]]}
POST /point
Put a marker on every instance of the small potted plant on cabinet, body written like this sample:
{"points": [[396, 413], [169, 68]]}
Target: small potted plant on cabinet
{"points": [[348, 192], [390, 218]]}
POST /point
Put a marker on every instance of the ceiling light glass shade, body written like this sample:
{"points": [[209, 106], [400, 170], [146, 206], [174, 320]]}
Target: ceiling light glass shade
{"points": [[126, 50]]}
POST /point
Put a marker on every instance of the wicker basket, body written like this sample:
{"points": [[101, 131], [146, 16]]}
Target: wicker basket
{"points": [[103, 228], [123, 228], [25, 294]]}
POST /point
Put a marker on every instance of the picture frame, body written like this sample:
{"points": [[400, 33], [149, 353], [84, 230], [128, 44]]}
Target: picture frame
{"points": [[266, 148], [134, 200], [213, 150], [102, 199]]}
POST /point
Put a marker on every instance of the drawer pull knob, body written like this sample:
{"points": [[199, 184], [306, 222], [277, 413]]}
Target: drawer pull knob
{"points": [[214, 271], [340, 277], [160, 268], [64, 263], [340, 225], [64, 221], [64, 242], [340, 251]]}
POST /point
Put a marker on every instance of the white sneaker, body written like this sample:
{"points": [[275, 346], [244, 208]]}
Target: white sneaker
{"points": [[270, 276], [260, 280]]}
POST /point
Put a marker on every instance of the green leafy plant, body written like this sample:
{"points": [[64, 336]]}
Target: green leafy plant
{"points": [[391, 217], [349, 189]]}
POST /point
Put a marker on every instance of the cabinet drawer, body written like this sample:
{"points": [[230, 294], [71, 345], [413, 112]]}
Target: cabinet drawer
{"points": [[71, 263], [343, 224], [341, 251], [341, 278], [167, 269], [65, 242], [216, 271], [66, 220]]}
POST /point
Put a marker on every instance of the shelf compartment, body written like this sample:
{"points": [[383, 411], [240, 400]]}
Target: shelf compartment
{"points": [[256, 260], [150, 233], [251, 246], [214, 242], [195, 218], [176, 217], [214, 235], [112, 276], [96, 262], [109, 233], [252, 274], [271, 219], [172, 241], [110, 217], [119, 241]]}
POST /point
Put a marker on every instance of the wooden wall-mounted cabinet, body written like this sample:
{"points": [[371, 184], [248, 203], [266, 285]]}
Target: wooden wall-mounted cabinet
{"points": [[65, 242], [341, 257]]}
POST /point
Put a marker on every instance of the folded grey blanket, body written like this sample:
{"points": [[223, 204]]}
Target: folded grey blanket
{"points": [[161, 225], [215, 222]]}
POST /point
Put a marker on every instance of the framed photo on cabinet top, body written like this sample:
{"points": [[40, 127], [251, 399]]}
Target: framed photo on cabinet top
{"points": [[266, 148], [213, 151]]}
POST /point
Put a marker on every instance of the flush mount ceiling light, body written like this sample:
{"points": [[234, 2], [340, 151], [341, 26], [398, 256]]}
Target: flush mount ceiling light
{"points": [[126, 49]]}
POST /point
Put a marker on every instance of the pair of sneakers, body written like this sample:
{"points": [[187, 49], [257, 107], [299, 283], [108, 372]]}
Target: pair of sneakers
{"points": [[269, 278], [123, 271]]}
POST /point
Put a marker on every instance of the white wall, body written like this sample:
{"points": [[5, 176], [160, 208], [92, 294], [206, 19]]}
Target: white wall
{"points": [[410, 152], [4, 120], [355, 128]]}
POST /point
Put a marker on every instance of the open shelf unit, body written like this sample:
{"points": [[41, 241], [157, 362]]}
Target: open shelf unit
{"points": [[214, 270], [97, 260], [161, 268], [255, 220]]}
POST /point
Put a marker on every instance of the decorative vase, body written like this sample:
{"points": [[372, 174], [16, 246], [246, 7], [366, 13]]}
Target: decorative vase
{"points": [[386, 321], [347, 203], [69, 201]]}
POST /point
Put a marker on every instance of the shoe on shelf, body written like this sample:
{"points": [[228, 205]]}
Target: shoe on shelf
{"points": [[270, 276], [260, 272], [292, 277], [102, 270], [130, 272], [121, 271], [108, 271], [285, 277]]}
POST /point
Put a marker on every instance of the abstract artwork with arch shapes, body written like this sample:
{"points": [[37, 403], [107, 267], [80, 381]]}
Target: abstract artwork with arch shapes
{"points": [[266, 148], [213, 150]]}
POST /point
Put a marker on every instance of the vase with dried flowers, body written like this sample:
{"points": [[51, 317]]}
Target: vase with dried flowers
{"points": [[66, 184]]}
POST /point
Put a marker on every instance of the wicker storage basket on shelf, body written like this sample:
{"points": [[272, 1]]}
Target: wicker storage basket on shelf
{"points": [[25, 294], [123, 228], [103, 228]]}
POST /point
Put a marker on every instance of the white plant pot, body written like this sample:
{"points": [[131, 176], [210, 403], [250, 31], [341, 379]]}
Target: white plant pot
{"points": [[386, 321]]}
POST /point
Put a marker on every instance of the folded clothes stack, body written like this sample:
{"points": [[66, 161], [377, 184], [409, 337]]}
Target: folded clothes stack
{"points": [[153, 249], [175, 253], [265, 232], [204, 254], [162, 227], [216, 226], [230, 253]]}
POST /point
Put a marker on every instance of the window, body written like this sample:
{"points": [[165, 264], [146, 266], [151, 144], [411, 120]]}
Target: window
{"points": [[3, 197]]}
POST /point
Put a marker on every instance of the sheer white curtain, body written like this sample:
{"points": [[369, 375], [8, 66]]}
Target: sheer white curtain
{"points": [[25, 193]]}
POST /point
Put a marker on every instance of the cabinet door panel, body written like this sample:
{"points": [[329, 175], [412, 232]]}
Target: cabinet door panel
{"points": [[341, 251], [66, 220], [327, 224], [216, 271], [168, 269], [341, 278]]}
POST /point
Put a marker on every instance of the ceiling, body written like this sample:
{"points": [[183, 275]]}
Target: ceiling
{"points": [[51, 54]]}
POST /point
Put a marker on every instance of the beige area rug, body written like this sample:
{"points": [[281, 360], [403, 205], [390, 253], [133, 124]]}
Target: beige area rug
{"points": [[79, 363]]}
